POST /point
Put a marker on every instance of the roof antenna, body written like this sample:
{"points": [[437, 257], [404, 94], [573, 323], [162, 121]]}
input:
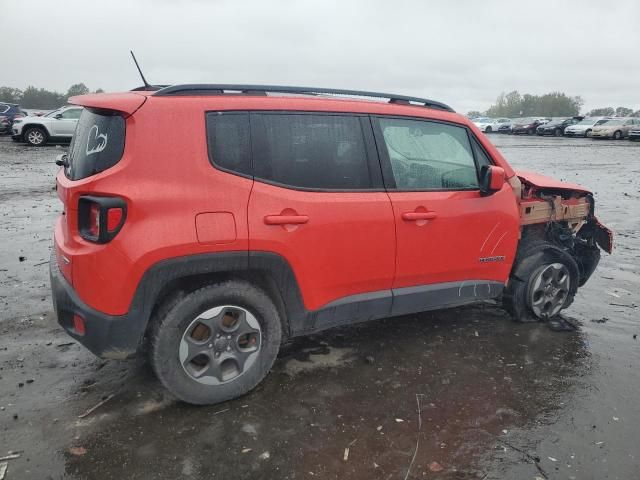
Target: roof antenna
{"points": [[144, 80]]}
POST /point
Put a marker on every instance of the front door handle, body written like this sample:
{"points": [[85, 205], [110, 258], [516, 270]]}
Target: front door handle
{"points": [[286, 219], [415, 216]]}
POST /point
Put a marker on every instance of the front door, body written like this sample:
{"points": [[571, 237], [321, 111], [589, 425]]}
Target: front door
{"points": [[453, 244], [318, 201], [65, 126]]}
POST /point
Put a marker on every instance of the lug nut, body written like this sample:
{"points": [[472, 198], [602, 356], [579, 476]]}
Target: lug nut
{"points": [[228, 349]]}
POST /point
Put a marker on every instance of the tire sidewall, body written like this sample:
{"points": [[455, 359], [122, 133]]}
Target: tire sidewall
{"points": [[166, 342], [532, 258]]}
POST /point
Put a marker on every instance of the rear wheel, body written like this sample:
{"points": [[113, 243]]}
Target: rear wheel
{"points": [[35, 136], [543, 282], [216, 343]]}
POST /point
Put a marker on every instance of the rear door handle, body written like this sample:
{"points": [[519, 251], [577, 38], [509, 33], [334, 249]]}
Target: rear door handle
{"points": [[286, 219], [414, 216]]}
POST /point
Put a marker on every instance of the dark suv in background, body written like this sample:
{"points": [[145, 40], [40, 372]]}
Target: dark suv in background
{"points": [[556, 127], [8, 113]]}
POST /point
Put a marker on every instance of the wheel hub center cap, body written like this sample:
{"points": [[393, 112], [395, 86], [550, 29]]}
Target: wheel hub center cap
{"points": [[221, 343]]}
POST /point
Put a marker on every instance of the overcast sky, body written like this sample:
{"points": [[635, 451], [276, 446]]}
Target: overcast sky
{"points": [[462, 52]]}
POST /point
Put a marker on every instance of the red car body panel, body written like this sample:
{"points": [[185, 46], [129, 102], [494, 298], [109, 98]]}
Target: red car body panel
{"points": [[126, 103], [542, 181], [466, 230], [346, 247], [352, 243]]}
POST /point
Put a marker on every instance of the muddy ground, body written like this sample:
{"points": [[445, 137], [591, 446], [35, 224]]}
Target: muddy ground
{"points": [[497, 400]]}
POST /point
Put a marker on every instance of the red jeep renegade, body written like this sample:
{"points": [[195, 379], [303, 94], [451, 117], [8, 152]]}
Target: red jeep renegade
{"points": [[209, 223]]}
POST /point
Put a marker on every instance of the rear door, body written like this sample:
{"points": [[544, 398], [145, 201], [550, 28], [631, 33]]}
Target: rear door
{"points": [[453, 243], [318, 201]]}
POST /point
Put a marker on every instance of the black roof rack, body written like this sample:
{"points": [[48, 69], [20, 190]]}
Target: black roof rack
{"points": [[220, 89]]}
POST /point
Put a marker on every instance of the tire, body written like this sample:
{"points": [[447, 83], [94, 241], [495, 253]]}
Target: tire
{"points": [[558, 132], [588, 133], [488, 130], [173, 341], [35, 136], [617, 135], [527, 296], [530, 132]]}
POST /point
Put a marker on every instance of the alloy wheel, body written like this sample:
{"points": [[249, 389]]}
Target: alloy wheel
{"points": [[549, 289], [35, 137], [220, 344]]}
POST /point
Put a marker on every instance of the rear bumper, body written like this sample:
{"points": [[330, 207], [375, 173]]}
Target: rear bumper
{"points": [[107, 336]]}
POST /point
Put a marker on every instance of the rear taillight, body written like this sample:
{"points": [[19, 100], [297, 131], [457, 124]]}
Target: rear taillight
{"points": [[101, 218]]}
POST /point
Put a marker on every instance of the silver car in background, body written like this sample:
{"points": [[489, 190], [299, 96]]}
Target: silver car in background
{"points": [[585, 127]]}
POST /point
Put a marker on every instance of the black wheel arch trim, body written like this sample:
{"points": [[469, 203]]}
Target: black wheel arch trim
{"points": [[122, 336]]}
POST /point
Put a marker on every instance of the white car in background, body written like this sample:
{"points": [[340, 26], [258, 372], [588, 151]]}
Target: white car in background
{"points": [[58, 125], [489, 125], [585, 127]]}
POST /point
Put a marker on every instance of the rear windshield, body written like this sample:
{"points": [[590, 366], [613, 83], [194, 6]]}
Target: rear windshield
{"points": [[97, 144]]}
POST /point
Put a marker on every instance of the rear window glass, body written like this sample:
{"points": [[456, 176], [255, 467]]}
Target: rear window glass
{"points": [[324, 152], [97, 144]]}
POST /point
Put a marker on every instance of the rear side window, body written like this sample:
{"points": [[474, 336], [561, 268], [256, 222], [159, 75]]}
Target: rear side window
{"points": [[97, 144], [321, 152], [229, 140]]}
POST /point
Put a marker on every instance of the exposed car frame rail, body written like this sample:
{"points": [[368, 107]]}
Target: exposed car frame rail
{"points": [[221, 89]]}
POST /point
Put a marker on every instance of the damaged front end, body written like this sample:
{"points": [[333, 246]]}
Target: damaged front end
{"points": [[562, 214]]}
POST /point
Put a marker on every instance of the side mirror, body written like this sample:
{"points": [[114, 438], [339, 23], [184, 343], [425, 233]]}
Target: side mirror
{"points": [[58, 116], [491, 179]]}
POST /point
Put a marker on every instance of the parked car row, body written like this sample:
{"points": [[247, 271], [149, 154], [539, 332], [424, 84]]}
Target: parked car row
{"points": [[615, 128]]}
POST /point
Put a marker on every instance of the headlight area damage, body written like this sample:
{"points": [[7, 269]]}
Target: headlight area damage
{"points": [[559, 248]]}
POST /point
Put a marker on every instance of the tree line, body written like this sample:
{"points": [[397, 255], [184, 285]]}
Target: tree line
{"points": [[32, 97], [554, 104]]}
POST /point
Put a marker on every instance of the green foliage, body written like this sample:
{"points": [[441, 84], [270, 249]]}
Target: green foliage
{"points": [[41, 98], [602, 112], [33, 97], [10, 95], [473, 114], [554, 104], [77, 89], [623, 112]]}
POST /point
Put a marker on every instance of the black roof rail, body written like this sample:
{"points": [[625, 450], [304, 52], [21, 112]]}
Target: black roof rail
{"points": [[220, 89], [150, 88]]}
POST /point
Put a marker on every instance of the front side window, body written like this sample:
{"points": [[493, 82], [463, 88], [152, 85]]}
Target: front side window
{"points": [[71, 114], [322, 152], [429, 155]]}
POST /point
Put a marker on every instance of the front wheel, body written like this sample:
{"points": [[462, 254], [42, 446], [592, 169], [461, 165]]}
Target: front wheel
{"points": [[488, 130], [35, 136], [617, 135], [588, 133], [558, 132], [216, 343], [544, 281]]}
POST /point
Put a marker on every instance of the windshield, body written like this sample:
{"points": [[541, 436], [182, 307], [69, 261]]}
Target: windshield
{"points": [[53, 114], [611, 122]]}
